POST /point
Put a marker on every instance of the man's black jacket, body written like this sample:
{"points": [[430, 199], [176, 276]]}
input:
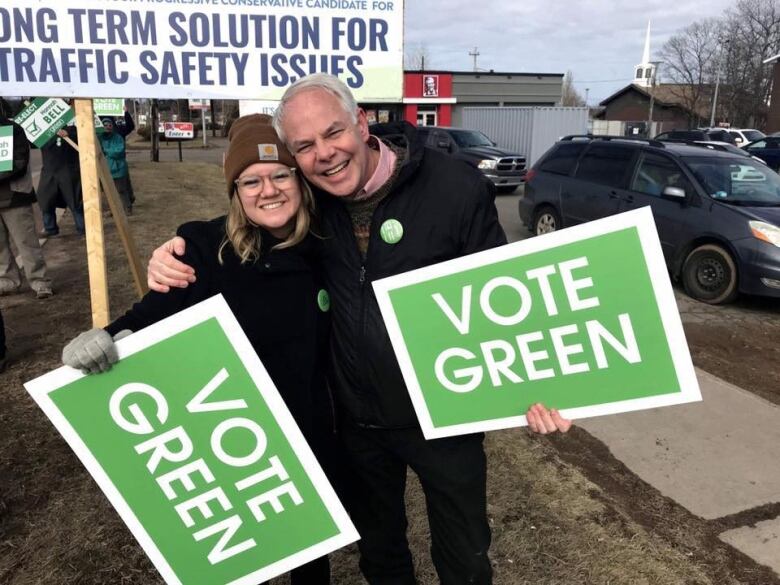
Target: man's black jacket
{"points": [[447, 209]]}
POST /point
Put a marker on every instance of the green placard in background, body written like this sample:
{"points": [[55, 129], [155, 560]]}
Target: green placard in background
{"points": [[583, 320], [43, 118], [6, 148], [191, 442], [108, 106]]}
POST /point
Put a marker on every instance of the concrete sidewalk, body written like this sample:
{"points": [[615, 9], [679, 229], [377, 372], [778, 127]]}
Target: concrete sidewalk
{"points": [[716, 458]]}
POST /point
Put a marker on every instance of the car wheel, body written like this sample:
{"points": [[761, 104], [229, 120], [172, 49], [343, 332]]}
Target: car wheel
{"points": [[546, 220], [710, 275]]}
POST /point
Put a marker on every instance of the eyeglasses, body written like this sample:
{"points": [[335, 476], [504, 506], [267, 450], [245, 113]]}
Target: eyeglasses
{"points": [[252, 185]]}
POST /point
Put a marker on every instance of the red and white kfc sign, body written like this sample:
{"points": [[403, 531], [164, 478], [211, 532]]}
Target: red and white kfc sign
{"points": [[430, 86]]}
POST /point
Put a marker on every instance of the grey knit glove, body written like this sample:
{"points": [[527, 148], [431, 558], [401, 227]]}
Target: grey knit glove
{"points": [[92, 351]]}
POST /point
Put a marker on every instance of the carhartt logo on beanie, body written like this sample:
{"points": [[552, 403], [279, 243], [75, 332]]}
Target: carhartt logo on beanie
{"points": [[253, 140], [268, 152]]}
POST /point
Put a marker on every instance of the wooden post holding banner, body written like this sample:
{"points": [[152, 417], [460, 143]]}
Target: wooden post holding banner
{"points": [[93, 219], [120, 219]]}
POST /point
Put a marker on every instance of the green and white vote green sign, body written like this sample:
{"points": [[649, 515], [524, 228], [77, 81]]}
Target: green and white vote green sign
{"points": [[6, 148], [192, 444], [108, 106], [43, 118], [583, 320]]}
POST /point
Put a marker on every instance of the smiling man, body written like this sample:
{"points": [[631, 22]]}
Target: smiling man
{"points": [[386, 210], [329, 144]]}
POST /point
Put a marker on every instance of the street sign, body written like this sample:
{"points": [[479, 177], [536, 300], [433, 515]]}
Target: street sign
{"points": [[179, 130], [583, 320], [6, 148], [43, 118], [193, 445]]}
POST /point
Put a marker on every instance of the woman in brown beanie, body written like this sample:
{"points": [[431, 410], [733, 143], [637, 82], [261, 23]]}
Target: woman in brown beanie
{"points": [[261, 258]]}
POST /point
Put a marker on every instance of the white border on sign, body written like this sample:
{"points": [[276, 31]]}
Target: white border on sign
{"points": [[214, 307], [642, 219]]}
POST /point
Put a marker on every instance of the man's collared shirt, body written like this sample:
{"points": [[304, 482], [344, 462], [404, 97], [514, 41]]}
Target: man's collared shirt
{"points": [[383, 171]]}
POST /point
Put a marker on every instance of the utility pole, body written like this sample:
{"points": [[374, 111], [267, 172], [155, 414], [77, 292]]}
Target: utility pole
{"points": [[717, 83], [587, 91], [474, 54], [154, 123], [655, 64]]}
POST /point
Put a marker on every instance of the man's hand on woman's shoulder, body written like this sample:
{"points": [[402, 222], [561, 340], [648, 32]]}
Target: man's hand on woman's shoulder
{"points": [[165, 271]]}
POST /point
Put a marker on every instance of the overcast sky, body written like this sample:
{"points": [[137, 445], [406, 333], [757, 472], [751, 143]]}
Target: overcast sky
{"points": [[600, 41]]}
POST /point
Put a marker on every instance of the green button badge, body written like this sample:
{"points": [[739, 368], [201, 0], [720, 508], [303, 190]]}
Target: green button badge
{"points": [[392, 231], [323, 300]]}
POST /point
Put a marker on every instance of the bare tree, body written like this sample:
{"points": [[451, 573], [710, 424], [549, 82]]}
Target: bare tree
{"points": [[735, 45], [689, 60], [570, 97], [417, 58], [751, 34]]}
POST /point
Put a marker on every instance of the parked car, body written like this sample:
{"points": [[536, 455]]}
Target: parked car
{"points": [[743, 136], [737, 136], [702, 134], [717, 213], [724, 146], [506, 169], [767, 149]]}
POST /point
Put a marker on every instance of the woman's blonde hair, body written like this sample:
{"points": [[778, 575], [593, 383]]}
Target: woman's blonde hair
{"points": [[244, 236]]}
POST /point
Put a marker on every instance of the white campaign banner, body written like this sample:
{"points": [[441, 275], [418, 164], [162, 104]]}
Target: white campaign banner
{"points": [[206, 49]]}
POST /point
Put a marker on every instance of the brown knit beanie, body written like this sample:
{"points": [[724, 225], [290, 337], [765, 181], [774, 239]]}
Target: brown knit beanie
{"points": [[252, 140]]}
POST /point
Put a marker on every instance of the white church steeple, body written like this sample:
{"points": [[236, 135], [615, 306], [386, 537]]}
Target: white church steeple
{"points": [[643, 73]]}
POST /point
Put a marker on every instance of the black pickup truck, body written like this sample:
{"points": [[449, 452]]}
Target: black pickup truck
{"points": [[505, 169]]}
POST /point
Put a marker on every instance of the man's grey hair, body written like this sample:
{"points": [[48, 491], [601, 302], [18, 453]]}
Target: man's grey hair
{"points": [[323, 81]]}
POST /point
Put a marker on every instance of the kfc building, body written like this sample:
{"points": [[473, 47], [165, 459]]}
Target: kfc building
{"points": [[428, 99], [438, 98]]}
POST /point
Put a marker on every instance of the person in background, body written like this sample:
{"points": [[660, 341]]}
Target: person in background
{"points": [[60, 182], [17, 222], [112, 141]]}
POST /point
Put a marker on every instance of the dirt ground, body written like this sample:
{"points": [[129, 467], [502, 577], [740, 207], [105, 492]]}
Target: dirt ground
{"points": [[563, 509]]}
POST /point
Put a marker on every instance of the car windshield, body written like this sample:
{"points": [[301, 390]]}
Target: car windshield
{"points": [[467, 138], [752, 135], [737, 181]]}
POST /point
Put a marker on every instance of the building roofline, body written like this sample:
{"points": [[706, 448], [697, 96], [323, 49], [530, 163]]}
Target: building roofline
{"points": [[641, 90], [486, 73]]}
